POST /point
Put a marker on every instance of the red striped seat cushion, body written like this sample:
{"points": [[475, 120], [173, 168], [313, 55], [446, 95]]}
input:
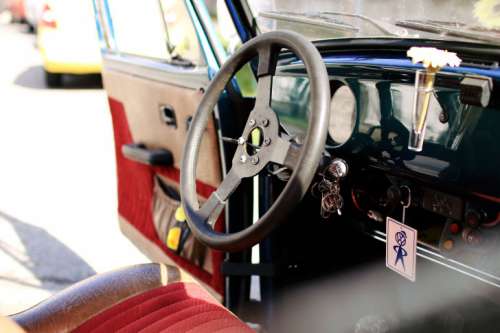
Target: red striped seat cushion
{"points": [[178, 307]]}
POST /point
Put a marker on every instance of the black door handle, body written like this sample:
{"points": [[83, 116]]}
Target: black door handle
{"points": [[140, 153]]}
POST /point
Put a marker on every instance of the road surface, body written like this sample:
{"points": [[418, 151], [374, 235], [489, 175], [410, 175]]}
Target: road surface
{"points": [[58, 219]]}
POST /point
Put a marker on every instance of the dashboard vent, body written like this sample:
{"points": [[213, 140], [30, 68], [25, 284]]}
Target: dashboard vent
{"points": [[485, 64]]}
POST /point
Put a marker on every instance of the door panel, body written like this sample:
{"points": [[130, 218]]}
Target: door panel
{"points": [[153, 64], [135, 102], [142, 100]]}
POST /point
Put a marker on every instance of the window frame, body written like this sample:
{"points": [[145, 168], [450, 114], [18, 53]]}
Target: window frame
{"points": [[109, 46]]}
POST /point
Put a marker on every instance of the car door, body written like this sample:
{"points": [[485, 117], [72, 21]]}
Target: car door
{"points": [[154, 74]]}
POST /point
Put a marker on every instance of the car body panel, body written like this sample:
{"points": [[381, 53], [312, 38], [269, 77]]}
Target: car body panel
{"points": [[17, 9], [72, 46], [34, 9]]}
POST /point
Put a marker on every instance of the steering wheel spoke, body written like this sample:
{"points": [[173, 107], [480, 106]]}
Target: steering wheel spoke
{"points": [[264, 92], [212, 208], [268, 59], [229, 184], [286, 153]]}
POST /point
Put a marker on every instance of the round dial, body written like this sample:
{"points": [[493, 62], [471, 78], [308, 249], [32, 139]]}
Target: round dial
{"points": [[342, 115]]}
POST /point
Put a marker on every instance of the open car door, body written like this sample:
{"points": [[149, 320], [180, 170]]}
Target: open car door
{"points": [[154, 73]]}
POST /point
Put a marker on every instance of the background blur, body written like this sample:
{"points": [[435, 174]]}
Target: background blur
{"points": [[58, 216]]}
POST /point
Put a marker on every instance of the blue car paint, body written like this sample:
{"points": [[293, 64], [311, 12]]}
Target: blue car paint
{"points": [[403, 63], [216, 45], [206, 47], [109, 21], [100, 33], [244, 35]]}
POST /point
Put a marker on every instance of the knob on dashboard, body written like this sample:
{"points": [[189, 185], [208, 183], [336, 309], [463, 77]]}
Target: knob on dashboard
{"points": [[473, 218], [471, 236], [338, 168], [448, 244], [394, 194], [455, 228], [393, 197]]}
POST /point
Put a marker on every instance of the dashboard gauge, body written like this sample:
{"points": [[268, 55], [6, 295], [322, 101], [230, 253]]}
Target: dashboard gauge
{"points": [[342, 115]]}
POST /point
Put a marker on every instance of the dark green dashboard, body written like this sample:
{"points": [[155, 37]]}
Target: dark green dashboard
{"points": [[454, 180], [461, 152]]}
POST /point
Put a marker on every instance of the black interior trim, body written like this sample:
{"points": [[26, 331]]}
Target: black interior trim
{"points": [[138, 152]]}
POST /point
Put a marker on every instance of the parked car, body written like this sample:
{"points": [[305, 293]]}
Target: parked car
{"points": [[67, 40], [34, 10], [275, 208], [17, 9]]}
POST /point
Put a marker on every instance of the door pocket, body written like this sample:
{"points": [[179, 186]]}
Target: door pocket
{"points": [[172, 228]]}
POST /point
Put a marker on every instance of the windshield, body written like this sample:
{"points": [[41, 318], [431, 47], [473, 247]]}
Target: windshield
{"points": [[465, 20]]}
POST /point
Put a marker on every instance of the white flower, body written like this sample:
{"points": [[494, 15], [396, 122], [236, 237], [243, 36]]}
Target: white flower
{"points": [[433, 58]]}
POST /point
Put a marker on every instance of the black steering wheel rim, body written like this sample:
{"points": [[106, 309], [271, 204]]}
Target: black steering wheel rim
{"points": [[303, 161]]}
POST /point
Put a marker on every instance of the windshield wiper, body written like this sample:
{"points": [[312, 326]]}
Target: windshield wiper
{"points": [[309, 18], [455, 29], [340, 21], [333, 20], [385, 27]]}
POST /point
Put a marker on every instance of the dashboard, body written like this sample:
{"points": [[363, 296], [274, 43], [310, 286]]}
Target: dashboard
{"points": [[454, 182]]}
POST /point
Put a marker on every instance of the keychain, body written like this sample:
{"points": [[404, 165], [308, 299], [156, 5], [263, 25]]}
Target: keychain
{"points": [[329, 188], [331, 199], [407, 204]]}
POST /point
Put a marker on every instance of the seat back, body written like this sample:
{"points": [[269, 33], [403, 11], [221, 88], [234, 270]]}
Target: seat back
{"points": [[68, 309]]}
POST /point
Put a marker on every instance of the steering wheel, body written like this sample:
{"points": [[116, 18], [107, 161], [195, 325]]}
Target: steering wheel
{"points": [[302, 160]]}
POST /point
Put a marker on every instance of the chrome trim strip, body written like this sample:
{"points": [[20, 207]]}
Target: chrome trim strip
{"points": [[193, 78], [217, 49], [440, 259]]}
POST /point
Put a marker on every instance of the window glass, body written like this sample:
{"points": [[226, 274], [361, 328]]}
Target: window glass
{"points": [[227, 35], [139, 28], [465, 20], [223, 25], [183, 43]]}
